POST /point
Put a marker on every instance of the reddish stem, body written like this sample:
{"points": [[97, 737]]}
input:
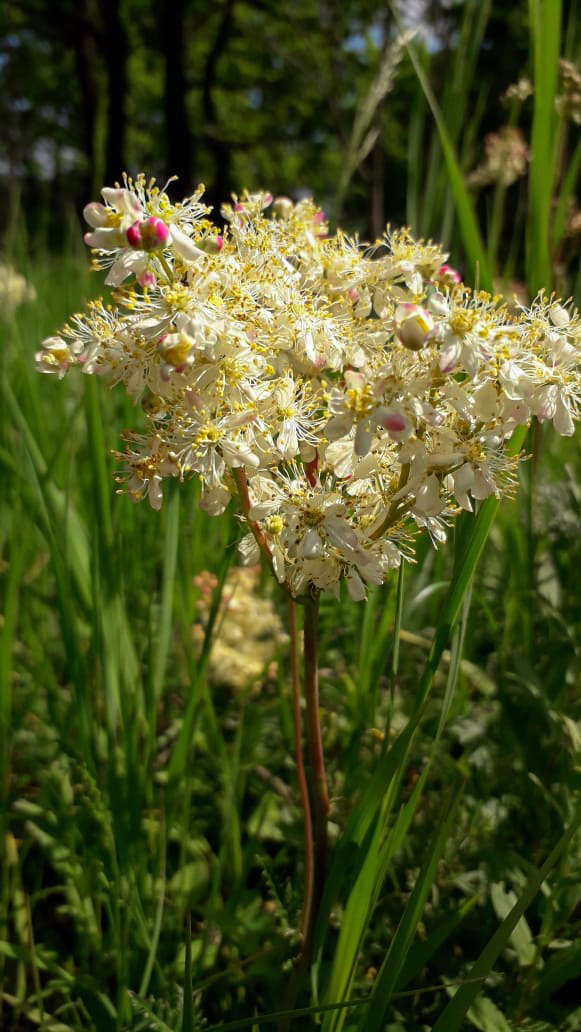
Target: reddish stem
{"points": [[242, 485], [318, 779], [301, 776]]}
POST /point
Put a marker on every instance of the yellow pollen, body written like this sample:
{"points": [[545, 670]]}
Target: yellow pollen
{"points": [[462, 322], [360, 401], [274, 524]]}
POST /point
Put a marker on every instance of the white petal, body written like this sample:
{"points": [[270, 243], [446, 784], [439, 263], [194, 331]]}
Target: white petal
{"points": [[563, 420], [154, 493], [121, 200], [312, 544], [127, 263], [95, 214], [355, 586], [249, 550], [184, 246]]}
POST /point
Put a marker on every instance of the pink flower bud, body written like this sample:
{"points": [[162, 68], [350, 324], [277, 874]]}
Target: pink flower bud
{"points": [[146, 279], [158, 229], [319, 217], [448, 274], [134, 235]]}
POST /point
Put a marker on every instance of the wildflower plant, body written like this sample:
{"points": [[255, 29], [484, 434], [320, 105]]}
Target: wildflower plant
{"points": [[346, 397]]}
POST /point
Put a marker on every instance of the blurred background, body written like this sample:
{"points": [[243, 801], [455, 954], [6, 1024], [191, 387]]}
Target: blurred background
{"points": [[306, 97]]}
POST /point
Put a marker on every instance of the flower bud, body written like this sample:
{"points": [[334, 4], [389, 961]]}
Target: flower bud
{"points": [[282, 208], [146, 279], [448, 275], [134, 235], [412, 326], [212, 244], [154, 234], [175, 349]]}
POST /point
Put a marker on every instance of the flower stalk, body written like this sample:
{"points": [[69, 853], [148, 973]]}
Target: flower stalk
{"points": [[301, 776], [318, 778]]}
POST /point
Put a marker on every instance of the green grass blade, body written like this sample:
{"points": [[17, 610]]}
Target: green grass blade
{"points": [[373, 1018], [476, 255], [453, 1015], [421, 952], [9, 608], [565, 194], [545, 23], [167, 592], [350, 852], [179, 757], [188, 1011], [361, 903], [462, 578]]}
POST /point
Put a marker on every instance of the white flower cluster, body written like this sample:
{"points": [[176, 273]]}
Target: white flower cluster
{"points": [[249, 629], [347, 396], [14, 289]]}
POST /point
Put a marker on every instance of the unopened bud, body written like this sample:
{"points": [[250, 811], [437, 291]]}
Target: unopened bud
{"points": [[150, 235], [447, 274], [154, 234], [146, 279], [282, 208], [175, 349], [212, 244], [412, 326], [134, 235]]}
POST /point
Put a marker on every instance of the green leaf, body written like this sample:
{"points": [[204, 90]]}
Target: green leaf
{"points": [[453, 1015], [485, 1015], [521, 938], [167, 592], [374, 1015], [564, 966]]}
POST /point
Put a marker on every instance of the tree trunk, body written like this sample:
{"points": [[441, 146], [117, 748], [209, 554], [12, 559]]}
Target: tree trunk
{"points": [[87, 58], [178, 135], [115, 50], [221, 186]]}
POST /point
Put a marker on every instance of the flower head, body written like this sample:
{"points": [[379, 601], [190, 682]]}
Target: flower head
{"points": [[348, 397]]}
